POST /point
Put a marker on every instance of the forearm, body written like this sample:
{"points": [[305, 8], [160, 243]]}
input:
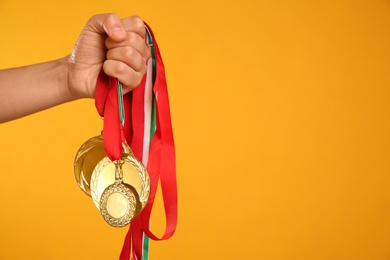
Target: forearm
{"points": [[33, 88]]}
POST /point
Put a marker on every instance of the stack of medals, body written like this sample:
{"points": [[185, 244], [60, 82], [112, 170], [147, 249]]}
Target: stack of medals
{"points": [[119, 189], [107, 170]]}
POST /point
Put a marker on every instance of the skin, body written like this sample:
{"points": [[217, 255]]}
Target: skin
{"points": [[116, 45]]}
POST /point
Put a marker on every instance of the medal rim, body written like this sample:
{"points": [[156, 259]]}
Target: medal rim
{"points": [[131, 203], [95, 142]]}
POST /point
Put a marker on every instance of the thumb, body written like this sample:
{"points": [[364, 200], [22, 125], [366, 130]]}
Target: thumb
{"points": [[109, 24]]}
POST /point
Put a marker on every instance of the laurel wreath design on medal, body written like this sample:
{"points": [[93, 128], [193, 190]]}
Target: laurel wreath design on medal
{"points": [[94, 181], [143, 175], [118, 188], [94, 194], [123, 192]]}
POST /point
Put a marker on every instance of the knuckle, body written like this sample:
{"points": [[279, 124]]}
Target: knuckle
{"points": [[120, 68], [112, 16], [133, 79], [143, 68], [138, 24], [148, 54], [107, 68], [138, 78], [131, 38], [137, 21], [128, 52]]}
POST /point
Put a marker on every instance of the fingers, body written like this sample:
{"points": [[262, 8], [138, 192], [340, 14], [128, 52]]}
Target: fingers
{"points": [[132, 40], [134, 24], [109, 24], [127, 59], [129, 71], [130, 55]]}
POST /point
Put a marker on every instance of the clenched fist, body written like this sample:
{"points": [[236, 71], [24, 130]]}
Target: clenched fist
{"points": [[117, 45]]}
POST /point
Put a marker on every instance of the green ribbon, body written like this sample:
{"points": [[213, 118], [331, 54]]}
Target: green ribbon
{"points": [[120, 103]]}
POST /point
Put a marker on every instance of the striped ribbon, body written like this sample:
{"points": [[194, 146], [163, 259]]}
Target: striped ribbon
{"points": [[148, 130]]}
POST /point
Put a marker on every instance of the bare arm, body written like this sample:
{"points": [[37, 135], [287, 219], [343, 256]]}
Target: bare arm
{"points": [[117, 46], [29, 89]]}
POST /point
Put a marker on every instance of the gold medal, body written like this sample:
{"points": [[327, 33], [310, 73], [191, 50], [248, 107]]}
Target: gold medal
{"points": [[119, 189], [87, 157], [118, 202]]}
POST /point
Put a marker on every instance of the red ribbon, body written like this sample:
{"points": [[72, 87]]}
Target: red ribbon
{"points": [[161, 164], [106, 102]]}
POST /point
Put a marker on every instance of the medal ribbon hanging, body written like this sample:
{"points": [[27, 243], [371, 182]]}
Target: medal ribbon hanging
{"points": [[148, 129], [162, 162]]}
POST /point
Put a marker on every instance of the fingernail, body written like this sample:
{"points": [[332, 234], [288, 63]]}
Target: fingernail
{"points": [[117, 32]]}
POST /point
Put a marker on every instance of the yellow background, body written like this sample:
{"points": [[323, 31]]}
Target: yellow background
{"points": [[281, 118]]}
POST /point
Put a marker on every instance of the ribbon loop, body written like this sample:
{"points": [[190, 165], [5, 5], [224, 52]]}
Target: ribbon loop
{"points": [[106, 102]]}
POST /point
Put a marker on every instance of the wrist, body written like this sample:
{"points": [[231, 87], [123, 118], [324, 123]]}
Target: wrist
{"points": [[81, 78], [63, 82]]}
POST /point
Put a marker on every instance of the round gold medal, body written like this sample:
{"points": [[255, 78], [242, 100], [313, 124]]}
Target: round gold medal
{"points": [[119, 189], [118, 202]]}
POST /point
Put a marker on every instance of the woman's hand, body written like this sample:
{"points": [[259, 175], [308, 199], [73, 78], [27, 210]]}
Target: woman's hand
{"points": [[118, 46]]}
